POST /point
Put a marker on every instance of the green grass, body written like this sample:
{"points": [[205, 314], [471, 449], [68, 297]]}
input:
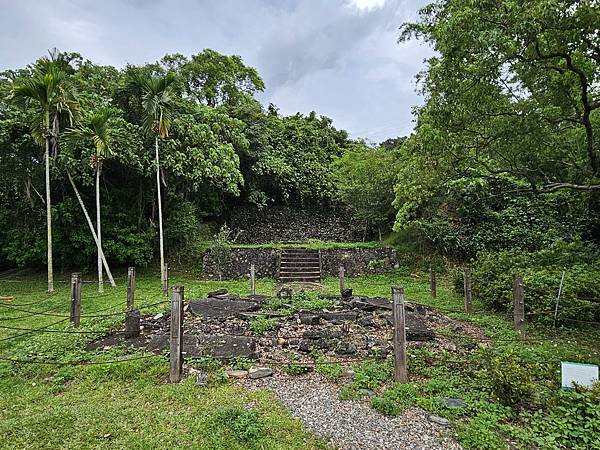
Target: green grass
{"points": [[127, 404], [485, 422], [130, 404]]}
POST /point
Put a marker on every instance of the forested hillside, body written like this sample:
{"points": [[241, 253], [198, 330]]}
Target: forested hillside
{"points": [[220, 148]]}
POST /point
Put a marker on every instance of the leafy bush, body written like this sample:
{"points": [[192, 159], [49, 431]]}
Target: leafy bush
{"points": [[511, 381], [385, 406], [332, 371], [372, 374], [573, 422], [260, 325], [493, 279], [295, 368], [403, 395]]}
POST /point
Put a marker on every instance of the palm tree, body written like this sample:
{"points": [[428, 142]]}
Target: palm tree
{"points": [[47, 95], [157, 104], [95, 129]]}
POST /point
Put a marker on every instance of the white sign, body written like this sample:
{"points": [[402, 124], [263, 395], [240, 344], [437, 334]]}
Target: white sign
{"points": [[577, 373]]}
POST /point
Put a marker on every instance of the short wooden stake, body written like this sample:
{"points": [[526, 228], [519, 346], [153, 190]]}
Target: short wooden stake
{"points": [[130, 288], [468, 291], [176, 339], [132, 323], [400, 372], [252, 280], [432, 283], [75, 315], [519, 303], [342, 273]]}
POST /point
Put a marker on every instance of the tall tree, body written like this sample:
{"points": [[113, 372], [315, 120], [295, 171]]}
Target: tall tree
{"points": [[95, 128], [46, 94], [157, 102]]}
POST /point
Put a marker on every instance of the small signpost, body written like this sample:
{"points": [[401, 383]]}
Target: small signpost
{"points": [[578, 373]]}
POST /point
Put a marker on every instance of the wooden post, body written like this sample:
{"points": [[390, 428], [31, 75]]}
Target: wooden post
{"points": [[432, 283], [176, 334], [468, 292], [132, 323], [252, 280], [75, 315], [519, 302], [130, 288], [342, 280], [400, 372]]}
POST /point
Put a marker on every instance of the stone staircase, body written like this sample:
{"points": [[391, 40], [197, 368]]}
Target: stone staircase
{"points": [[299, 264]]}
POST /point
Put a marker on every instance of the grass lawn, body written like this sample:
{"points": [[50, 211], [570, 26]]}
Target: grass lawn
{"points": [[131, 404]]}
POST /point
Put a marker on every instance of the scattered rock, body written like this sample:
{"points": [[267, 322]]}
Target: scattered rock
{"points": [[285, 292], [439, 420], [420, 309], [454, 402], [196, 346], [217, 293], [214, 307], [416, 328], [237, 373], [366, 393], [346, 293], [322, 334], [259, 372], [345, 348], [338, 317], [158, 316], [309, 319]]}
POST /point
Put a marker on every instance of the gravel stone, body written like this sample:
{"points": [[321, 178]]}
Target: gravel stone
{"points": [[350, 424]]}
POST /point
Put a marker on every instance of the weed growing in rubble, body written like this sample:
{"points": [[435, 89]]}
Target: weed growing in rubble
{"points": [[260, 325]]}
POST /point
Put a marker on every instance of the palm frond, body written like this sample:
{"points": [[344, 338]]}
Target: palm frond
{"points": [[157, 102]]}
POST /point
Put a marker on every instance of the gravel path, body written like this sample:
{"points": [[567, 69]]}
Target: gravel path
{"points": [[353, 424]]}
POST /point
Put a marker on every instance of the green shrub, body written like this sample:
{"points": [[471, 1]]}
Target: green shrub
{"points": [[260, 325], [511, 381], [372, 374], [403, 395], [493, 280], [385, 406], [295, 368], [573, 422], [332, 371]]}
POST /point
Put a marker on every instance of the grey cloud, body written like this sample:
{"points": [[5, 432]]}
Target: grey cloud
{"points": [[325, 55]]}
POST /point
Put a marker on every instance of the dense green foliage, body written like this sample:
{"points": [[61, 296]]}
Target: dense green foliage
{"points": [[218, 147], [542, 273], [505, 152]]}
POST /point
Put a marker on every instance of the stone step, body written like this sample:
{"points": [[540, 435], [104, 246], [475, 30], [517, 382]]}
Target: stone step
{"points": [[299, 264], [302, 253], [288, 279], [283, 273], [304, 265], [299, 258]]}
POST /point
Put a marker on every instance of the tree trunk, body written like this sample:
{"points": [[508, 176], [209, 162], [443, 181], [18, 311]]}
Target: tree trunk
{"points": [[48, 207], [99, 226], [91, 225], [163, 277]]}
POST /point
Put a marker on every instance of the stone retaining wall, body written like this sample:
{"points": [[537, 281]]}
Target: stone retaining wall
{"points": [[283, 224], [356, 261]]}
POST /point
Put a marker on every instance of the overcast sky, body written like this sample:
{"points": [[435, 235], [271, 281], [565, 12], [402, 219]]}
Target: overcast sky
{"points": [[339, 58]]}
